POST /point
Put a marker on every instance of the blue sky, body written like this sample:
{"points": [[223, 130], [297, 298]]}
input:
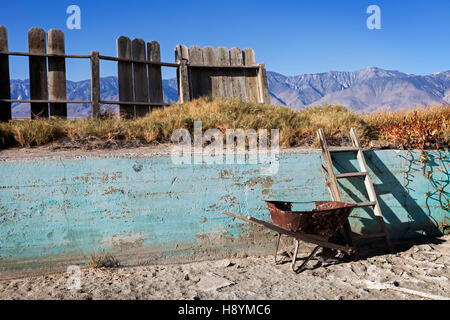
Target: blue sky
{"points": [[290, 37]]}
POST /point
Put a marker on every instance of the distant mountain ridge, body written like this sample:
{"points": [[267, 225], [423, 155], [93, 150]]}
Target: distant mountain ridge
{"points": [[364, 90]]}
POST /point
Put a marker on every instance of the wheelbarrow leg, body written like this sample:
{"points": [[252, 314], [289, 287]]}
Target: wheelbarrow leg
{"points": [[294, 257], [276, 249], [277, 246], [287, 251], [303, 265]]}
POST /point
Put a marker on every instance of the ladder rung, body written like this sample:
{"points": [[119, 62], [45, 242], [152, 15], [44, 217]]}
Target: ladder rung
{"points": [[343, 149], [366, 204], [369, 236], [351, 175]]}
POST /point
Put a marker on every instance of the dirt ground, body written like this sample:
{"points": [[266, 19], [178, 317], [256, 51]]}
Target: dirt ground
{"points": [[418, 270]]}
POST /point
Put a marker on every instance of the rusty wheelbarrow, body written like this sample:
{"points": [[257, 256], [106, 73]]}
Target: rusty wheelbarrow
{"points": [[316, 226]]}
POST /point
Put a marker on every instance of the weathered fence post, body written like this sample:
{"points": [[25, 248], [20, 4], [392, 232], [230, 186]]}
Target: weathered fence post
{"points": [[182, 57], [154, 73], [5, 86], [38, 73], [238, 76], [251, 77], [57, 73], [223, 59], [140, 77], [95, 84], [195, 75], [125, 77], [209, 59], [263, 84]]}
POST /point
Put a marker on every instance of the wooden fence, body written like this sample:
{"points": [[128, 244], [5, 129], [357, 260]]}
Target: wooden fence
{"points": [[219, 73]]}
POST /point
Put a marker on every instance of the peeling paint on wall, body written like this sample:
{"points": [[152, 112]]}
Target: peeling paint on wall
{"points": [[56, 212]]}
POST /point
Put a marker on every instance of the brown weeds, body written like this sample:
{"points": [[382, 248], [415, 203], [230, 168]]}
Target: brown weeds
{"points": [[421, 127]]}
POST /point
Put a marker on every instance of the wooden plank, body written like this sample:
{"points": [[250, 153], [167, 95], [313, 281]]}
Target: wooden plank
{"points": [[225, 86], [211, 82], [251, 80], [386, 286], [125, 77], [234, 68], [162, 64], [351, 175], [238, 76], [343, 149], [263, 85], [182, 56], [369, 187], [154, 73], [95, 84], [5, 87], [195, 75], [140, 77], [28, 54], [195, 55], [38, 73], [56, 73]]}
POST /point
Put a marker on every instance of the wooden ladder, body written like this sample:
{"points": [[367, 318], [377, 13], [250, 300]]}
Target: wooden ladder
{"points": [[364, 173]]}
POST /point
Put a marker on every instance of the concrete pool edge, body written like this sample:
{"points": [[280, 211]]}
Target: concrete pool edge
{"points": [[88, 192]]}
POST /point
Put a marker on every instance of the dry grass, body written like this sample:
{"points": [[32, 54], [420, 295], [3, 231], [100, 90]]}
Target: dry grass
{"points": [[418, 128], [296, 128], [102, 261]]}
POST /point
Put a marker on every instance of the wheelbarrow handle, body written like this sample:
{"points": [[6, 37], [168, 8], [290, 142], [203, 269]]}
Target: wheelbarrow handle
{"points": [[317, 240]]}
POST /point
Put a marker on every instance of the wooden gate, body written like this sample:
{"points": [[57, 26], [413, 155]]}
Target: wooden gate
{"points": [[221, 73]]}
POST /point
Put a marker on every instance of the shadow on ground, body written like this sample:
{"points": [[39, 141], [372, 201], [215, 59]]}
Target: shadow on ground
{"points": [[366, 251]]}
